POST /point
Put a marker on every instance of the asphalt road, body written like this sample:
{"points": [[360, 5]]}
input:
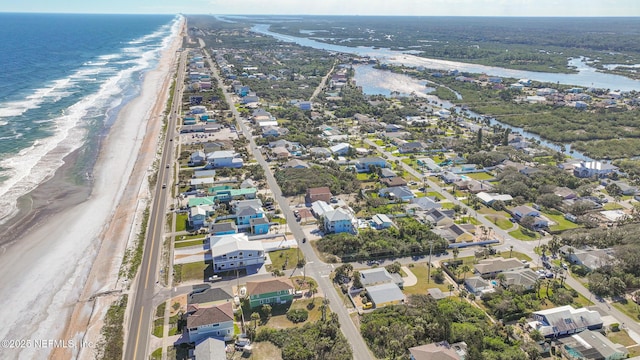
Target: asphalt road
{"points": [[315, 268], [140, 317]]}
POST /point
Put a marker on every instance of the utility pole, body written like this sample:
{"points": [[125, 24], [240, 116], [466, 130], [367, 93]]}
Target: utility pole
{"points": [[429, 268]]}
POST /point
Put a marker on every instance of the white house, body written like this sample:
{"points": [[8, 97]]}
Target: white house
{"points": [[381, 221], [224, 158], [216, 321], [198, 157], [235, 251], [489, 198], [587, 169], [340, 149], [565, 320]]}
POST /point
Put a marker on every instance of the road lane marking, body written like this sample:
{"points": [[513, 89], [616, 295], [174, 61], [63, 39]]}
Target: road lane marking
{"points": [[135, 350]]}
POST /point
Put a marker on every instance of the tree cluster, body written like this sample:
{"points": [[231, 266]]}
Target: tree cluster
{"points": [[390, 331]]}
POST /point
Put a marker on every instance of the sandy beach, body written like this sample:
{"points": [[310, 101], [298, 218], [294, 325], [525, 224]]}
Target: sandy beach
{"points": [[72, 247]]}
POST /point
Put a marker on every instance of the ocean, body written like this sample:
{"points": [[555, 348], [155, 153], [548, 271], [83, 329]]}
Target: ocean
{"points": [[63, 78]]}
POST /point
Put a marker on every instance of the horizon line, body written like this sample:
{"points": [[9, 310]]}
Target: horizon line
{"points": [[335, 15]]}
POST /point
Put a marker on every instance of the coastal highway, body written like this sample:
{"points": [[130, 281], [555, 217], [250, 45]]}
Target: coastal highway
{"points": [[140, 315], [315, 268]]}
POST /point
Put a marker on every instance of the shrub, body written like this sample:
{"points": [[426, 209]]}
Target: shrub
{"points": [[297, 315]]}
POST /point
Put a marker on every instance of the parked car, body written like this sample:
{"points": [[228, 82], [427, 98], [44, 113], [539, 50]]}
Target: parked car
{"points": [[367, 305], [214, 278]]}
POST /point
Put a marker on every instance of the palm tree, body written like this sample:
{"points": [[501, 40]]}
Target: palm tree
{"points": [[451, 287], [313, 289], [255, 317], [501, 278], [511, 251], [455, 251], [465, 269]]}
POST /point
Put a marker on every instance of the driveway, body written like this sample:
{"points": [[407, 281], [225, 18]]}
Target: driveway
{"points": [[410, 279]]}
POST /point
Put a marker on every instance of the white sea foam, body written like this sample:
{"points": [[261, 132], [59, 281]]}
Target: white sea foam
{"points": [[3, 123], [36, 164]]}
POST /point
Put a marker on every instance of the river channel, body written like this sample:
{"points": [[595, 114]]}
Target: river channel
{"points": [[373, 81]]}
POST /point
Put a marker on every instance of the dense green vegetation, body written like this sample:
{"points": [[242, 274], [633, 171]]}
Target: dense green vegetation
{"points": [[410, 238], [319, 340], [111, 344], [537, 44], [391, 330], [613, 278], [297, 181]]}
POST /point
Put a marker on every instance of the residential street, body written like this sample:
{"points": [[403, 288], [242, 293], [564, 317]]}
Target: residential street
{"points": [[525, 247], [314, 268]]}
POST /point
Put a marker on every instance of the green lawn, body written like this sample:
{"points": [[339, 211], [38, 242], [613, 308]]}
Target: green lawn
{"points": [[435, 194], [562, 223], [634, 351], [621, 337], [283, 259], [181, 222], [629, 308], [366, 177], [468, 220], [612, 206], [521, 236], [421, 270], [480, 176], [160, 309], [191, 237], [156, 354], [191, 271], [515, 254], [448, 205], [158, 327], [499, 220], [181, 244]]}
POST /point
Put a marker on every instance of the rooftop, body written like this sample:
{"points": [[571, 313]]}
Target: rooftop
{"points": [[210, 315], [268, 286]]}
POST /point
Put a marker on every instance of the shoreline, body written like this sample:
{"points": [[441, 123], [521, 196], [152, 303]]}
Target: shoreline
{"points": [[52, 257], [55, 195]]}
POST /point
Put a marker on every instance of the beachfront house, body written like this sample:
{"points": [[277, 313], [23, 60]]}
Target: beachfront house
{"points": [[224, 158], [197, 158], [235, 252], [216, 321]]}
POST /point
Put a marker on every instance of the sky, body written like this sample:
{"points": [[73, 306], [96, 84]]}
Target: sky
{"points": [[336, 7]]}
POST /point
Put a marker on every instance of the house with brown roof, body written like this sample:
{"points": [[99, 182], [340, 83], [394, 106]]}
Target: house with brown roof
{"points": [[489, 268], [319, 193], [439, 351], [216, 321], [393, 181], [275, 291]]}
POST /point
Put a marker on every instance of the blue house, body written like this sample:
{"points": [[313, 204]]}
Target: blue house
{"points": [[223, 228], [241, 90], [397, 193], [259, 225]]}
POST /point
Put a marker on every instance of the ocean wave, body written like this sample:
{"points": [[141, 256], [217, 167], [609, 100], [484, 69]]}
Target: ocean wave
{"points": [[36, 164]]}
